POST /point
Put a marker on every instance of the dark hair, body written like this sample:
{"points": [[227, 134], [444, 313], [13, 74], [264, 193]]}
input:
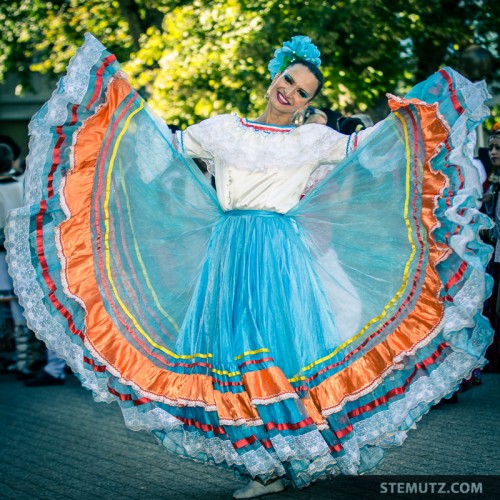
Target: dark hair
{"points": [[494, 135], [351, 124], [314, 70], [309, 111], [5, 139], [333, 118], [6, 158]]}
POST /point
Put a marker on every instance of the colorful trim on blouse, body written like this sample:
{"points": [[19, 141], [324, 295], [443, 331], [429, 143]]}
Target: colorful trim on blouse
{"points": [[263, 127]]}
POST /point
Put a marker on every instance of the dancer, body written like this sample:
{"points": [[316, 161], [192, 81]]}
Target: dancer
{"points": [[286, 337]]}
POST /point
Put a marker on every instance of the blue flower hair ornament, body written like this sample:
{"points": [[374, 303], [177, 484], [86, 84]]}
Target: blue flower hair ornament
{"points": [[298, 48]]}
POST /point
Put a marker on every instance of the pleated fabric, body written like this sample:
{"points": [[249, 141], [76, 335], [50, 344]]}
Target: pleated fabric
{"points": [[294, 345]]}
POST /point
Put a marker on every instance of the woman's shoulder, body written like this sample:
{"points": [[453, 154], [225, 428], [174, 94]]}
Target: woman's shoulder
{"points": [[313, 133], [219, 120], [315, 129]]}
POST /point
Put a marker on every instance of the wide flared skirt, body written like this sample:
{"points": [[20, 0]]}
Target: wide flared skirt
{"points": [[292, 345]]}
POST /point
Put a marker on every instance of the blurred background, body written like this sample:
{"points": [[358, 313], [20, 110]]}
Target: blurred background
{"points": [[194, 59]]}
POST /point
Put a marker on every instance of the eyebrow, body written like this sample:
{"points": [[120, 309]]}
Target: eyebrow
{"points": [[300, 88]]}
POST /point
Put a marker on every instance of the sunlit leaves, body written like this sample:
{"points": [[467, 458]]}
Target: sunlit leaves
{"points": [[194, 66], [196, 58]]}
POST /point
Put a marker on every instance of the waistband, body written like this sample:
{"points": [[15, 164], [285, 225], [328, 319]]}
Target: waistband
{"points": [[255, 213]]}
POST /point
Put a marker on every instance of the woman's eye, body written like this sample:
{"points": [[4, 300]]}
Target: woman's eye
{"points": [[302, 94], [288, 79]]}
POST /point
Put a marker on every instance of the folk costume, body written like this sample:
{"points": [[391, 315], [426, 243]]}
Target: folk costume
{"points": [[254, 327]]}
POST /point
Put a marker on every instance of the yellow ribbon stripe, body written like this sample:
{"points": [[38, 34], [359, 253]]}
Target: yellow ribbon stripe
{"points": [[407, 266], [139, 256], [262, 350], [107, 248]]}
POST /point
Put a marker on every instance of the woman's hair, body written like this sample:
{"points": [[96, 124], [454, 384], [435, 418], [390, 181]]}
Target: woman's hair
{"points": [[314, 70], [494, 135], [6, 158]]}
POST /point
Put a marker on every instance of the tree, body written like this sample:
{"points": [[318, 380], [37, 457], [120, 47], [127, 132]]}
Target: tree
{"points": [[196, 58], [41, 36]]}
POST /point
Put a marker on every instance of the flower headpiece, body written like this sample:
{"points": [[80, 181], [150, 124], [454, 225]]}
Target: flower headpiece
{"points": [[298, 48]]}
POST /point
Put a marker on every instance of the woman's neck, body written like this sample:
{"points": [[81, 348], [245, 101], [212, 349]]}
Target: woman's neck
{"points": [[273, 117]]}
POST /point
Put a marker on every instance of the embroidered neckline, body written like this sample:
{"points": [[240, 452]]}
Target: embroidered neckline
{"points": [[264, 127]]}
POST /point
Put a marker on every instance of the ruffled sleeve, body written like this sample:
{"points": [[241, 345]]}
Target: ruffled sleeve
{"points": [[190, 143], [200, 140], [332, 148], [329, 146]]}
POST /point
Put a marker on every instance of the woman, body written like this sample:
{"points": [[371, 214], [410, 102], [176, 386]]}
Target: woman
{"points": [[284, 339], [492, 208]]}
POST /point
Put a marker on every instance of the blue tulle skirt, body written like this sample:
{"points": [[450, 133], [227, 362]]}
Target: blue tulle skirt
{"points": [[258, 290]]}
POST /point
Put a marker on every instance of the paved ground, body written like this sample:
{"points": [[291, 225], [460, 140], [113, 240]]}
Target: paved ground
{"points": [[58, 444]]}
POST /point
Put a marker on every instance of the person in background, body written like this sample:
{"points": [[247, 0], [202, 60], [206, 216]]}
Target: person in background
{"points": [[309, 115], [333, 118], [346, 125], [53, 373], [365, 119], [17, 164], [314, 115], [28, 350], [353, 124], [491, 201]]}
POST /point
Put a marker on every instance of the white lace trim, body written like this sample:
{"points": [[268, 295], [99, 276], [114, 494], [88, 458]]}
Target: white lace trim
{"points": [[275, 399], [389, 428], [241, 421], [71, 89]]}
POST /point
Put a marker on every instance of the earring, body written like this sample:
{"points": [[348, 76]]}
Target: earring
{"points": [[268, 94], [297, 118]]}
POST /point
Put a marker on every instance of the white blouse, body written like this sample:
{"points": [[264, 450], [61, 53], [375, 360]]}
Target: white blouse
{"points": [[263, 167]]}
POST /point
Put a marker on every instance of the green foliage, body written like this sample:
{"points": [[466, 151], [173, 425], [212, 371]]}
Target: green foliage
{"points": [[193, 59], [41, 36], [194, 67]]}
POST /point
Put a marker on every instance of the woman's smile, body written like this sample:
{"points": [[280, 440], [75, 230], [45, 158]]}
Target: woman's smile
{"points": [[282, 99]]}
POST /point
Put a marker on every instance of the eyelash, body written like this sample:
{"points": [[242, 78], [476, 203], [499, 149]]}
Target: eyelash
{"points": [[289, 80]]}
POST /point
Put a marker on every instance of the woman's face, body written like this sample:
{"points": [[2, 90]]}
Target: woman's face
{"points": [[494, 149], [293, 89]]}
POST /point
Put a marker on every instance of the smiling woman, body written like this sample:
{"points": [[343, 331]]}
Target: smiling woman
{"points": [[291, 91], [283, 336]]}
